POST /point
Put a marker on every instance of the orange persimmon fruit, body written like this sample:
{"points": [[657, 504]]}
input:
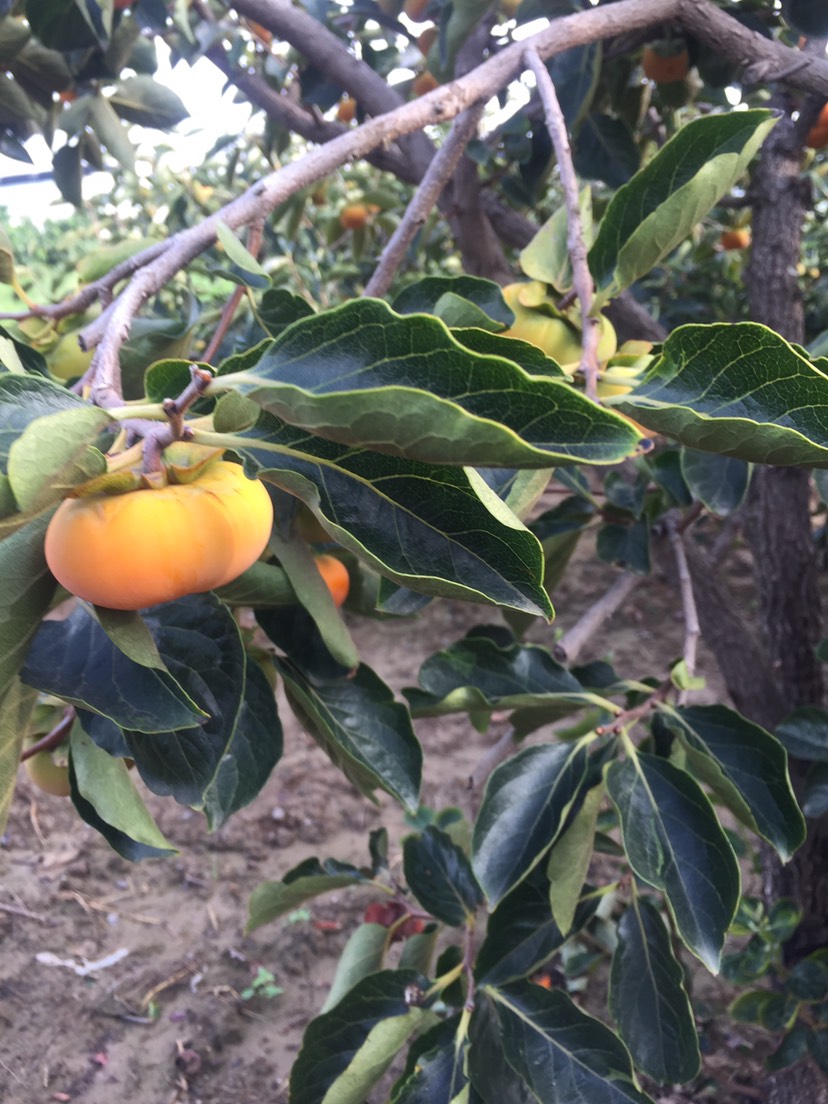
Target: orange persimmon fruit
{"points": [[663, 65], [346, 112], [353, 217], [336, 577], [127, 551], [426, 82], [735, 239]]}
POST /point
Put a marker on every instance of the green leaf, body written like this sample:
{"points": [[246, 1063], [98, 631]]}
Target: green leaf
{"points": [[575, 73], [346, 1050], [808, 979], [523, 353], [60, 25], [440, 877], [424, 527], [546, 257], [402, 385], [361, 729], [24, 399], [144, 101], [477, 673], [793, 1047], [112, 132], [435, 1071], [280, 308], [531, 1044], [809, 17], [525, 807], [309, 879], [263, 585], [252, 272], [522, 933], [105, 784], [423, 296], [130, 634], [815, 798], [626, 545], [15, 356], [648, 999], [739, 390], [75, 660], [53, 454], [68, 174], [648, 217], [16, 705], [674, 842], [570, 858], [720, 482], [362, 955], [805, 734], [26, 589], [746, 767], [605, 149]]}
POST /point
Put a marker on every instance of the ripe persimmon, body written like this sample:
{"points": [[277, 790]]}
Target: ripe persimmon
{"points": [[665, 65], [346, 112], [817, 136], [353, 217], [336, 577], [735, 239], [127, 551], [424, 83]]}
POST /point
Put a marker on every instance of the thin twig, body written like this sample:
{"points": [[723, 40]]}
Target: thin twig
{"points": [[53, 738], [688, 601], [254, 244], [569, 646], [16, 910], [575, 242], [442, 166]]}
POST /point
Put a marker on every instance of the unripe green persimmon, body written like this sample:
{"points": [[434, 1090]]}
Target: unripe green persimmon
{"points": [[66, 359], [47, 775]]}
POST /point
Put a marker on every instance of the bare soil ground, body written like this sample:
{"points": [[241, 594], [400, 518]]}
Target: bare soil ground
{"points": [[177, 924]]}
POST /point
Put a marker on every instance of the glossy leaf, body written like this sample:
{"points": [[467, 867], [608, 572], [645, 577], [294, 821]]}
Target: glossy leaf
{"points": [[280, 308], [522, 933], [424, 527], [309, 879], [528, 1043], [747, 768], [75, 660], [346, 1050], [605, 149], [675, 843], [648, 217], [361, 728], [435, 1071], [720, 482], [476, 673], [402, 385], [648, 999], [423, 296], [525, 806], [440, 877], [805, 734], [739, 390], [626, 545]]}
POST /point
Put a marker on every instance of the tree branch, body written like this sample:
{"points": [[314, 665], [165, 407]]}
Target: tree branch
{"points": [[568, 648], [436, 176]]}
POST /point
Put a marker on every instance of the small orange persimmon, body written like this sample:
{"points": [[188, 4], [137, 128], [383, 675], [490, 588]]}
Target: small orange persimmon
{"points": [[415, 9], [665, 65], [817, 136], [735, 239], [424, 83], [262, 33], [336, 577], [427, 40], [353, 217], [347, 109], [128, 551]]}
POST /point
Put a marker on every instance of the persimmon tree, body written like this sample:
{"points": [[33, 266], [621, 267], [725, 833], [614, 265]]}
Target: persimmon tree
{"points": [[411, 430]]}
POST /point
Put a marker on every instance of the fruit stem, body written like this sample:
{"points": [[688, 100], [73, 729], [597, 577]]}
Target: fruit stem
{"points": [[53, 738]]}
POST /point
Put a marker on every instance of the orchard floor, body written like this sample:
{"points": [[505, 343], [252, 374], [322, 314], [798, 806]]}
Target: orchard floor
{"points": [[174, 929]]}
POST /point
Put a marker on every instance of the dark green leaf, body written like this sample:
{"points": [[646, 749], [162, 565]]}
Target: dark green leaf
{"points": [[26, 589], [805, 733], [143, 100], [575, 72], [435, 1071], [16, 356], [606, 150], [309, 879], [279, 308], [422, 298], [476, 673], [440, 877], [818, 1047], [793, 1047], [809, 17], [523, 353], [815, 799], [24, 399], [422, 526], [60, 25], [346, 1050], [529, 1044], [648, 217], [808, 979], [112, 133], [626, 545], [730, 389], [522, 934], [720, 482], [75, 660], [525, 807], [68, 173], [648, 999], [402, 385], [675, 843], [730, 753], [361, 728]]}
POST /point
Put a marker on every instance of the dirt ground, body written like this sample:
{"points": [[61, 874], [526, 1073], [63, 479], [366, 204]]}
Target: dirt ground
{"points": [[172, 930]]}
